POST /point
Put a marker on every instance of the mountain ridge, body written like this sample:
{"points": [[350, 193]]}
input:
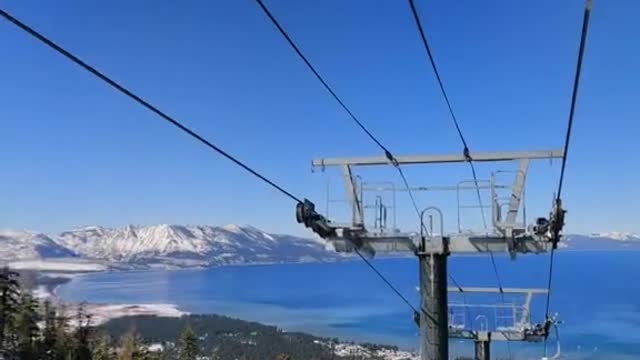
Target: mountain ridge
{"points": [[170, 245], [205, 244], [165, 244], [30, 244]]}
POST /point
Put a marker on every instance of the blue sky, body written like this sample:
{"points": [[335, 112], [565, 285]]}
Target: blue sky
{"points": [[74, 152]]}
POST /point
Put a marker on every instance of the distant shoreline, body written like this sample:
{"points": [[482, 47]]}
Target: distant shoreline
{"points": [[49, 283], [47, 289], [102, 313], [77, 266]]}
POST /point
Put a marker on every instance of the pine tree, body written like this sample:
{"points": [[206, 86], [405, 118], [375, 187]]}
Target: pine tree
{"points": [[9, 293], [132, 348], [81, 347], [49, 334], [26, 330], [102, 349], [188, 345], [63, 342]]}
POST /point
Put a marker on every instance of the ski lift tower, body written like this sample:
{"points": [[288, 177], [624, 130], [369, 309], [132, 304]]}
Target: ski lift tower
{"points": [[432, 249], [513, 321]]}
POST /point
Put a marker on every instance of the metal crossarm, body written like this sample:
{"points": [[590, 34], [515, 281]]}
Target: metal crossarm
{"points": [[439, 159]]}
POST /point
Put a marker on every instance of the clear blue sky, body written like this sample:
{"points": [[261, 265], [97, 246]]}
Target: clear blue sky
{"points": [[74, 152]]}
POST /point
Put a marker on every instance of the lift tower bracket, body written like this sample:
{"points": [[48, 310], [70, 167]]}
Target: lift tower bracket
{"points": [[433, 249]]}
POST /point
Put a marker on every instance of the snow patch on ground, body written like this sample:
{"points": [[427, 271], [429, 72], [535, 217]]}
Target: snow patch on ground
{"points": [[41, 292], [57, 265], [155, 347], [103, 313], [355, 350], [233, 228]]}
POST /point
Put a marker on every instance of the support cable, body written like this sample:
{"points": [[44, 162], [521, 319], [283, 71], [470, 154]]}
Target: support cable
{"points": [[413, 199], [435, 71], [394, 289], [176, 123], [497, 273], [551, 257], [320, 78], [456, 284], [342, 104], [574, 95], [463, 294], [466, 151], [495, 270], [574, 98], [142, 102]]}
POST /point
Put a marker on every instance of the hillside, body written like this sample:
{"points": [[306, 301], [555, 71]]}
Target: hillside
{"points": [[27, 245], [602, 242], [227, 338], [166, 246]]}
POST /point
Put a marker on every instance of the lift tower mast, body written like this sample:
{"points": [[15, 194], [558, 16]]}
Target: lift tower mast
{"points": [[433, 249]]}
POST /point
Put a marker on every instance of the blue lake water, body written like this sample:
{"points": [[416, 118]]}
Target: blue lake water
{"points": [[597, 295]]}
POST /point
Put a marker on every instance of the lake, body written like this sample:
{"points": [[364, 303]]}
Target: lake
{"points": [[596, 294]]}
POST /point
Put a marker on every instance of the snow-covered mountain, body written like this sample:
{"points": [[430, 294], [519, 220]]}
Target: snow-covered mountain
{"points": [[22, 244], [186, 246], [617, 235], [174, 245], [602, 241]]}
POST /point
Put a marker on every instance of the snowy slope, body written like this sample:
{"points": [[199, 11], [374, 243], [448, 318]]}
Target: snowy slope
{"points": [[617, 235], [187, 246], [21, 244], [603, 241], [191, 245]]}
